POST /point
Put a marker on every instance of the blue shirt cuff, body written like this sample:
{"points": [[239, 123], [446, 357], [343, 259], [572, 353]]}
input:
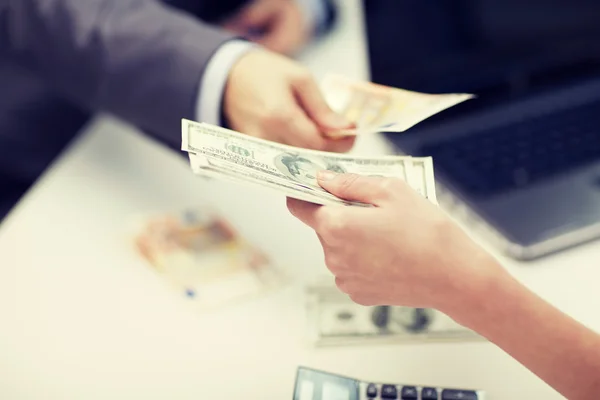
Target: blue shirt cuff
{"points": [[214, 79]]}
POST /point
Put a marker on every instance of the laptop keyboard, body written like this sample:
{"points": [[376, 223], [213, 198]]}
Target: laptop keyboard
{"points": [[522, 153]]}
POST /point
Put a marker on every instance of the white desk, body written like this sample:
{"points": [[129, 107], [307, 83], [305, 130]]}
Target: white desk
{"points": [[82, 317]]}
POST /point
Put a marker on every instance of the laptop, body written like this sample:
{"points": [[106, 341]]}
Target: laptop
{"points": [[523, 158]]}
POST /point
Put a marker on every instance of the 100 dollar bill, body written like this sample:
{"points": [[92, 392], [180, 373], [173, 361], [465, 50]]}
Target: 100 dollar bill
{"points": [[333, 319], [225, 154]]}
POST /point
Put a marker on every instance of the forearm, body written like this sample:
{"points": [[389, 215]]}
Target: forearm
{"points": [[561, 351]]}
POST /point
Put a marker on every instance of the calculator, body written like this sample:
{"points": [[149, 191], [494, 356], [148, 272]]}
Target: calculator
{"points": [[312, 384]]}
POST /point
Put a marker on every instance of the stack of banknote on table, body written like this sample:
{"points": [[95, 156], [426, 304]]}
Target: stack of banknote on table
{"points": [[333, 319], [202, 257], [225, 154]]}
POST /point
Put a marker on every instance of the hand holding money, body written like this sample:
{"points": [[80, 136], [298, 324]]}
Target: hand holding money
{"points": [[271, 97], [404, 251]]}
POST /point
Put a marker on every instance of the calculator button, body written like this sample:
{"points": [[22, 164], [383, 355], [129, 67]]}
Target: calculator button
{"points": [[371, 390], [429, 393], [453, 394], [389, 392], [409, 393]]}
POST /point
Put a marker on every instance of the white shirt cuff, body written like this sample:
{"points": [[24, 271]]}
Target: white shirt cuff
{"points": [[214, 79]]}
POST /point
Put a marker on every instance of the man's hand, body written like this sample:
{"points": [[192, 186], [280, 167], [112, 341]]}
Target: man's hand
{"points": [[278, 25], [274, 98], [403, 251]]}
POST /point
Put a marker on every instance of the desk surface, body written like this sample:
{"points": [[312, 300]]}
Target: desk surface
{"points": [[83, 317]]}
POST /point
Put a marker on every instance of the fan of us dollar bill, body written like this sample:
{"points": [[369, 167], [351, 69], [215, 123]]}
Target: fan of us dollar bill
{"points": [[221, 153]]}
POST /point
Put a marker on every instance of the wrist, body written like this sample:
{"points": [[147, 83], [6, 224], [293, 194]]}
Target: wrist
{"points": [[482, 299], [235, 80], [209, 105], [480, 283]]}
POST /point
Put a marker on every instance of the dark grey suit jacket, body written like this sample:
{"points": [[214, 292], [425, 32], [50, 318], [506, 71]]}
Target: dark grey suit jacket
{"points": [[141, 60]]}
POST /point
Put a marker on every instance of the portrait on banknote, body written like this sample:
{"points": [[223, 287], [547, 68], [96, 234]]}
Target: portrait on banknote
{"points": [[304, 168], [334, 319]]}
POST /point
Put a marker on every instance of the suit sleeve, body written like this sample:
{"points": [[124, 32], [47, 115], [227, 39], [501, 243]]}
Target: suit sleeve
{"points": [[138, 59]]}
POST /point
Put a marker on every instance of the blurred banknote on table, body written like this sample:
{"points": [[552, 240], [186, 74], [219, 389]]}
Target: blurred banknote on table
{"points": [[377, 108], [333, 319], [221, 153], [203, 258]]}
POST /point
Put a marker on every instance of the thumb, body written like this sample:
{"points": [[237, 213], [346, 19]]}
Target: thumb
{"points": [[312, 101], [353, 187]]}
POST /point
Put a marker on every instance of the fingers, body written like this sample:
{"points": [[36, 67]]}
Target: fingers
{"points": [[365, 189], [333, 224], [329, 222], [297, 129], [305, 212], [360, 291], [341, 145], [301, 131], [337, 230], [312, 101], [305, 134], [314, 105]]}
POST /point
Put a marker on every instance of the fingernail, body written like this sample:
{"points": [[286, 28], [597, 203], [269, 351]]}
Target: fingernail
{"points": [[326, 175]]}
